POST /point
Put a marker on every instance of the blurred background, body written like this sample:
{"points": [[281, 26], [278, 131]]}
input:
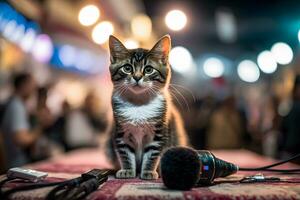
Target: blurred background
{"points": [[235, 66]]}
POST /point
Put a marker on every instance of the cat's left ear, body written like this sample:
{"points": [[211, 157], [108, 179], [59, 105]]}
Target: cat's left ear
{"points": [[162, 48], [117, 49]]}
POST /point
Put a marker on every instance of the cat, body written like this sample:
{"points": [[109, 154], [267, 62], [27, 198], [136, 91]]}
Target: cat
{"points": [[146, 121]]}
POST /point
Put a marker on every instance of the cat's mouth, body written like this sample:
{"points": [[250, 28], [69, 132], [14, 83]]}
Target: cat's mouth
{"points": [[137, 89]]}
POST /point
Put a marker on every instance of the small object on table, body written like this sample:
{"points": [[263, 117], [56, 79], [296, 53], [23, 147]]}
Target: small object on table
{"points": [[26, 174], [259, 178]]}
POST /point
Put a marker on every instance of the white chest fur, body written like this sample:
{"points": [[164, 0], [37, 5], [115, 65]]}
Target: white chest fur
{"points": [[139, 114]]}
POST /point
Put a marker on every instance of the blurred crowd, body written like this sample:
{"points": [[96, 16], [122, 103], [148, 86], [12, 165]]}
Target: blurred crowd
{"points": [[270, 128], [29, 135]]}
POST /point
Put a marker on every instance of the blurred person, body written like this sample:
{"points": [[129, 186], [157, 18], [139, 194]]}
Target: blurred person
{"points": [[15, 125], [47, 145], [226, 127], [270, 126], [42, 109], [289, 143], [59, 127], [198, 120], [85, 126]]}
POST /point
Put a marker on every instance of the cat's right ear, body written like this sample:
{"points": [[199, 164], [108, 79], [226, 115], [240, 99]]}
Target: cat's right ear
{"points": [[117, 49]]}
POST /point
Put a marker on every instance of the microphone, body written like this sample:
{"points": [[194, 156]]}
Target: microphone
{"points": [[182, 168]]}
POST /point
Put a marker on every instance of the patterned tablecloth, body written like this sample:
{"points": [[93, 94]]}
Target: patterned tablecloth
{"points": [[73, 164]]}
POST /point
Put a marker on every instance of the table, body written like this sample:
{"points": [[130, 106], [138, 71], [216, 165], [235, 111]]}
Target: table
{"points": [[73, 164]]}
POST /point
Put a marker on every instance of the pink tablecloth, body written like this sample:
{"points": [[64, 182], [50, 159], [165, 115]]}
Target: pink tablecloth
{"points": [[73, 164]]}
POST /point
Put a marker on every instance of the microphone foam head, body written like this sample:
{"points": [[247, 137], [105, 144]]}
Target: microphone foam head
{"points": [[180, 168]]}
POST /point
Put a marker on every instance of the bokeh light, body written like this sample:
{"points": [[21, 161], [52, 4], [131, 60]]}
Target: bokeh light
{"points": [[67, 55], [213, 67], [43, 48], [141, 27], [85, 60], [282, 53], [248, 71], [18, 33], [176, 20], [267, 62], [181, 59], [27, 41], [88, 15], [299, 35], [102, 31], [9, 29], [131, 44]]}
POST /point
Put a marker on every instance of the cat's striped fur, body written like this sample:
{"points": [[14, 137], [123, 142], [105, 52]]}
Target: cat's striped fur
{"points": [[146, 121]]}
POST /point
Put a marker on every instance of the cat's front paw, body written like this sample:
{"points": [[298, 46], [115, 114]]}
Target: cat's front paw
{"points": [[126, 173], [149, 175]]}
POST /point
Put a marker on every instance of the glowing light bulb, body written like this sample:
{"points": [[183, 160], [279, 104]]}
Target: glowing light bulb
{"points": [[213, 67], [181, 59], [248, 71], [88, 15], [141, 27], [43, 48], [176, 20], [267, 62], [131, 44], [67, 55], [282, 53], [102, 31]]}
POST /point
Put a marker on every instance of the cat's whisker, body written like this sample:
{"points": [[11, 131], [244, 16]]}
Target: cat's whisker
{"points": [[183, 98], [119, 88], [185, 88], [124, 88], [152, 91], [173, 95]]}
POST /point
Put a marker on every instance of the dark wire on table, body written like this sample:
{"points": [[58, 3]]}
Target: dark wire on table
{"points": [[33, 186], [89, 183], [53, 194], [267, 167]]}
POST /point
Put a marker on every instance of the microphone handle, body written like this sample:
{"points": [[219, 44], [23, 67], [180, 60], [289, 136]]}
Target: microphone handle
{"points": [[213, 167]]}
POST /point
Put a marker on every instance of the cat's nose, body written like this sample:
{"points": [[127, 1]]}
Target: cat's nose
{"points": [[137, 78]]}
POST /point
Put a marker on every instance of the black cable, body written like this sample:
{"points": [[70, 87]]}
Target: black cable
{"points": [[61, 187], [1, 185], [37, 186], [76, 188], [266, 168], [90, 182], [89, 186], [5, 181], [270, 170]]}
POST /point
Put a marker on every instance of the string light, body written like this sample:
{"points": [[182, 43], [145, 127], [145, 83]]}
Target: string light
{"points": [[43, 48], [181, 59], [267, 62], [141, 27], [213, 67], [131, 44], [102, 31], [88, 15], [176, 20], [282, 53], [248, 71]]}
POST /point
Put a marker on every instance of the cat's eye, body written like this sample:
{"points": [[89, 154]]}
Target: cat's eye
{"points": [[148, 70], [127, 69]]}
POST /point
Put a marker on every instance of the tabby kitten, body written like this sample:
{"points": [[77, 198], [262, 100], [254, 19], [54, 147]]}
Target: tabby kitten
{"points": [[146, 121]]}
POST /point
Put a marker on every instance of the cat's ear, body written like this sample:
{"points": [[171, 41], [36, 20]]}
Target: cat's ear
{"points": [[117, 49], [162, 48]]}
